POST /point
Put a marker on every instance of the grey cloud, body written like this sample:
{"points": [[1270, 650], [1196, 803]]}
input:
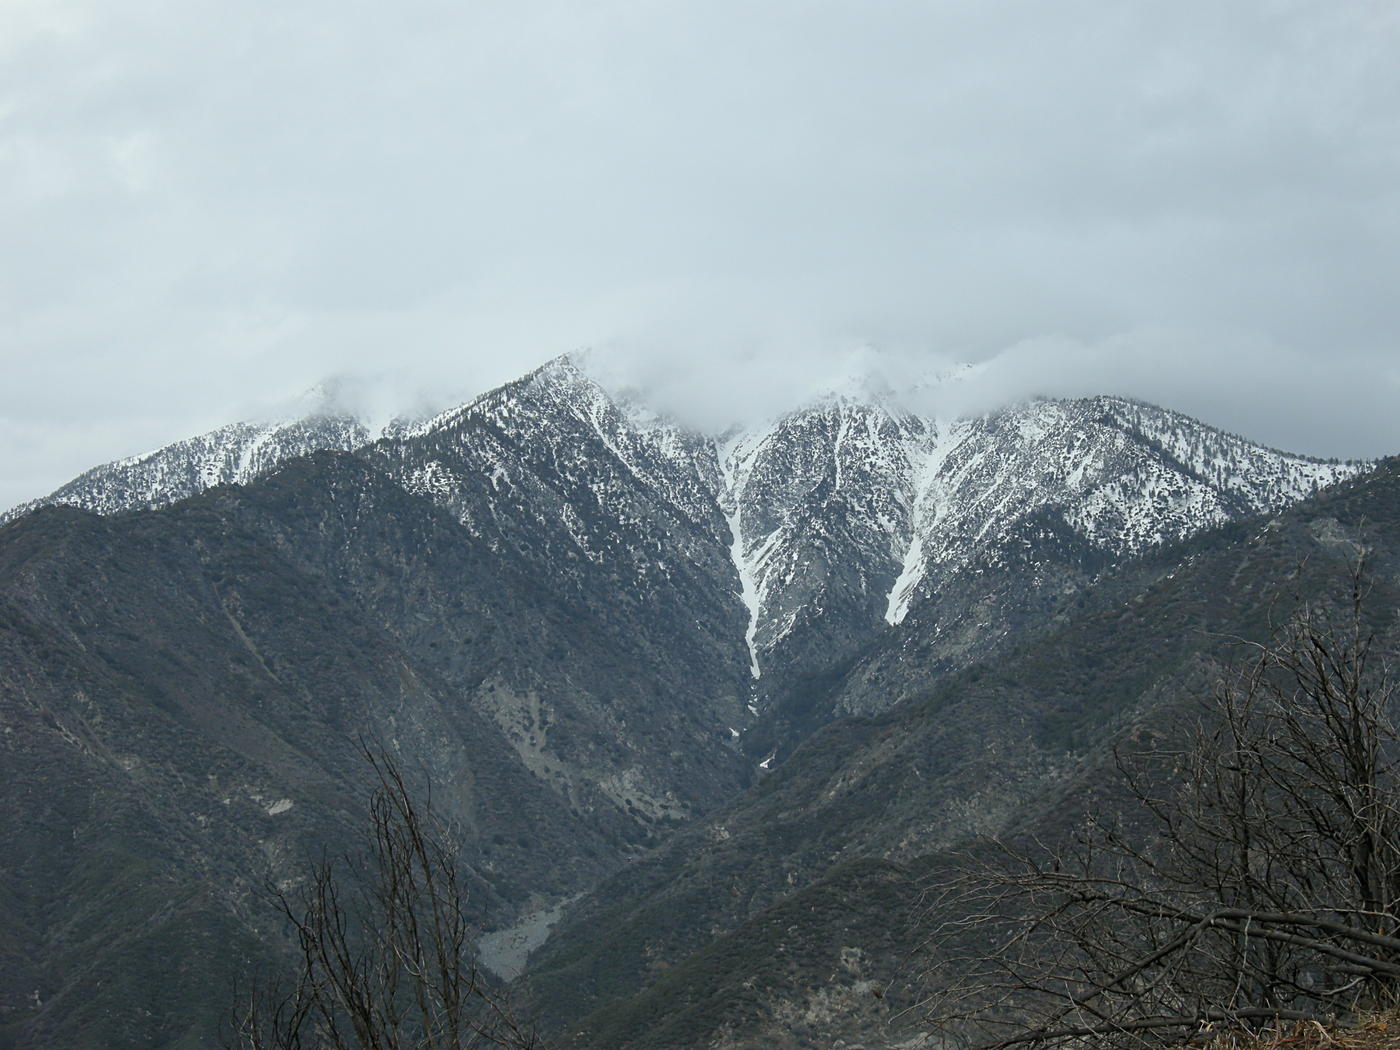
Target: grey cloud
{"points": [[207, 206], [1273, 394]]}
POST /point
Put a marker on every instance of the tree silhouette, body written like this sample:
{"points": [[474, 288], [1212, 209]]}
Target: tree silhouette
{"points": [[385, 949], [1255, 879]]}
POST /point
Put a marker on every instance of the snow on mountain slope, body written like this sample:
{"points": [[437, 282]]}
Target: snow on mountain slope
{"points": [[233, 454], [821, 502], [613, 514], [1120, 475], [553, 452], [784, 547], [847, 512]]}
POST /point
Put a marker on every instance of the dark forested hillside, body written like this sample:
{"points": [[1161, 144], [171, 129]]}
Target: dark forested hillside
{"points": [[183, 693], [770, 923]]}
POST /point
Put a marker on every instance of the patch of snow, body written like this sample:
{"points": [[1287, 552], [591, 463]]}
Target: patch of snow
{"points": [[897, 603], [243, 473], [749, 592], [748, 588], [929, 506]]}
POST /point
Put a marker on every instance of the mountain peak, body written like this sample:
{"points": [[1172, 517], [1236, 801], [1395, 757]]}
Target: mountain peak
{"points": [[843, 515]]}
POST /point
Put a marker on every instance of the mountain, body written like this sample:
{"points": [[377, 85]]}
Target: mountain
{"points": [[857, 517], [183, 691], [587, 626], [332, 415], [772, 922], [829, 523], [232, 455]]}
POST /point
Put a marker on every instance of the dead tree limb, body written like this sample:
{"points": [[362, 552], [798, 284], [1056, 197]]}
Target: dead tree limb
{"points": [[1259, 881], [384, 947]]}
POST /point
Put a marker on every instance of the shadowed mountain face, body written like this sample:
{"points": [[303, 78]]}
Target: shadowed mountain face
{"points": [[183, 693], [586, 627], [771, 922]]}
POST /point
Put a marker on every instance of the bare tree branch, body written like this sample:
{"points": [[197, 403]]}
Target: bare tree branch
{"points": [[1266, 885], [385, 955]]}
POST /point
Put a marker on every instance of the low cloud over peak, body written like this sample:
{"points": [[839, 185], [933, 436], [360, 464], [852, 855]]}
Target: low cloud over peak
{"points": [[206, 208]]}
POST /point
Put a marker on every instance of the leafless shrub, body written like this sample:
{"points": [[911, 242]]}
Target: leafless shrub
{"points": [[1258, 882], [385, 958]]}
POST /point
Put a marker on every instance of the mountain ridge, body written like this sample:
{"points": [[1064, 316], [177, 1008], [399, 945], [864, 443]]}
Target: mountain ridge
{"points": [[556, 602], [835, 519], [745, 925]]}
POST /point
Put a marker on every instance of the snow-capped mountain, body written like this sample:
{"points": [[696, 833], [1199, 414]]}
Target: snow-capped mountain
{"points": [[585, 625], [793, 542], [822, 504], [232, 455], [1120, 475], [852, 513], [607, 508]]}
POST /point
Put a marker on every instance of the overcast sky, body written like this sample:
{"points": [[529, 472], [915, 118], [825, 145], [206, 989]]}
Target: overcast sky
{"points": [[207, 206]]}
